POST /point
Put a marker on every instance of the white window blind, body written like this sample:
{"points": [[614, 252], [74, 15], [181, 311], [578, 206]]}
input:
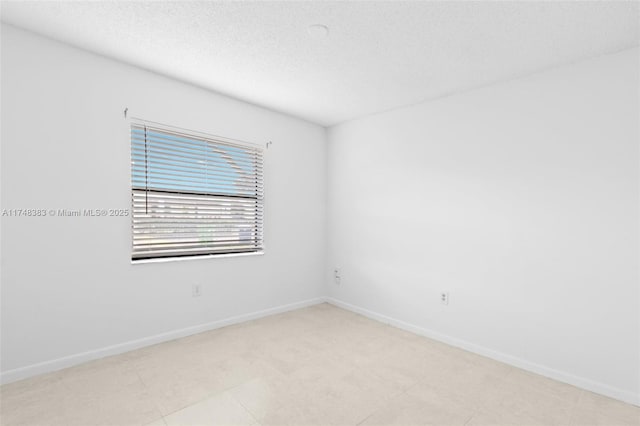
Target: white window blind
{"points": [[194, 195]]}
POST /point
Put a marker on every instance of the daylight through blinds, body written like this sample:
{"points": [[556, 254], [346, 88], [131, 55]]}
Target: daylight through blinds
{"points": [[194, 195]]}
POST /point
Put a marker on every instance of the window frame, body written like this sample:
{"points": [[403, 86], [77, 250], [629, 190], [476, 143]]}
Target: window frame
{"points": [[206, 137]]}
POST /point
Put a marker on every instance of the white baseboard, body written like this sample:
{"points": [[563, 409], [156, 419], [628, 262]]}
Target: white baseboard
{"points": [[71, 360], [590, 385]]}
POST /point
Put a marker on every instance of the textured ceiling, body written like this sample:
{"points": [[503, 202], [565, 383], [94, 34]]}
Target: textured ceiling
{"points": [[378, 55]]}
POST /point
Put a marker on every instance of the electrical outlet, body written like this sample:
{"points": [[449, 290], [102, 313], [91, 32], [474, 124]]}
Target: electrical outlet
{"points": [[196, 290], [444, 297], [336, 275]]}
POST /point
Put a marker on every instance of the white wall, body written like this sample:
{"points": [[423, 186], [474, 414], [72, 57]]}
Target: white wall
{"points": [[67, 283], [521, 200]]}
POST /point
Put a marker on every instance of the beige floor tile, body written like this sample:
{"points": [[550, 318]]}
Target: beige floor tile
{"points": [[475, 383], [487, 394], [288, 355], [264, 396], [350, 398], [584, 417], [96, 393], [503, 418], [411, 410], [173, 387], [521, 378], [403, 375], [240, 369], [318, 372], [600, 410], [322, 410], [124, 407], [531, 403], [324, 315], [158, 422], [176, 380], [220, 409], [33, 402], [295, 415], [363, 382], [324, 392]]}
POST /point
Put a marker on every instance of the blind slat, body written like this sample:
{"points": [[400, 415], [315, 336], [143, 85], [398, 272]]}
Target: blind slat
{"points": [[180, 135], [160, 154], [199, 153], [160, 169], [155, 179], [195, 199]]}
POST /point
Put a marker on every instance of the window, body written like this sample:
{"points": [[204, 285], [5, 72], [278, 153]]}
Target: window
{"points": [[193, 195]]}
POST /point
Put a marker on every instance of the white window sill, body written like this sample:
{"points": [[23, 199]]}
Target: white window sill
{"points": [[182, 258]]}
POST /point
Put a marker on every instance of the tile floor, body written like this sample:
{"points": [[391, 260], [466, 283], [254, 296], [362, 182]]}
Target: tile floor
{"points": [[315, 366]]}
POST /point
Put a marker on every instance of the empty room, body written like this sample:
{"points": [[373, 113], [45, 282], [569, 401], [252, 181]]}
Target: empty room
{"points": [[320, 213]]}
